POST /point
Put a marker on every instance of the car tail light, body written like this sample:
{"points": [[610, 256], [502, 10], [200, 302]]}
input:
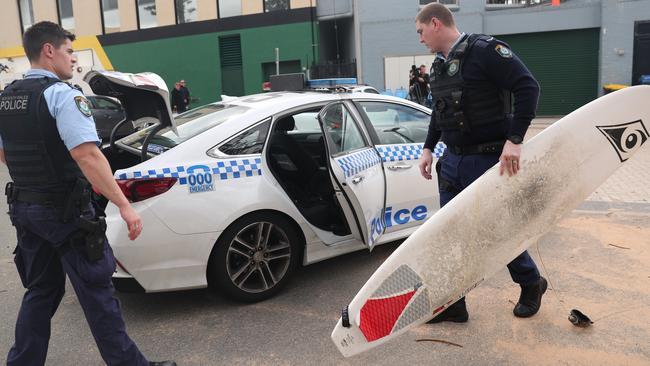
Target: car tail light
{"points": [[141, 189], [266, 86]]}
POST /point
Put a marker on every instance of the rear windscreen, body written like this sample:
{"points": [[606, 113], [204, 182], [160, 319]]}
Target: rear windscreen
{"points": [[188, 125]]}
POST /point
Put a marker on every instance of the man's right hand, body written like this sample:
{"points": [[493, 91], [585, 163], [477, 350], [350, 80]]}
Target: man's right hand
{"points": [[425, 164], [132, 219]]}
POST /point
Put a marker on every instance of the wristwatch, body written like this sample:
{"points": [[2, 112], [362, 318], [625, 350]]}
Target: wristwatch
{"points": [[515, 139]]}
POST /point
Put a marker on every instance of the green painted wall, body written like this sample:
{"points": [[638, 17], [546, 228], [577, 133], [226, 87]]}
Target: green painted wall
{"points": [[565, 63], [196, 58]]}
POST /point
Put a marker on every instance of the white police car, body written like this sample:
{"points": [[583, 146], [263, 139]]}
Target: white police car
{"points": [[237, 194]]}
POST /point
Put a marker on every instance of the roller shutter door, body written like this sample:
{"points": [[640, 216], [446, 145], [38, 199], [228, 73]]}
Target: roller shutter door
{"points": [[564, 62]]}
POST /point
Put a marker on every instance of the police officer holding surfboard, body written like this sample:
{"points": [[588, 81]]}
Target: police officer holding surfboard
{"points": [[473, 81]]}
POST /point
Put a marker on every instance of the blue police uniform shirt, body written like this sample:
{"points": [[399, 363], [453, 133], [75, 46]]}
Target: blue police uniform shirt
{"points": [[485, 63], [75, 128]]}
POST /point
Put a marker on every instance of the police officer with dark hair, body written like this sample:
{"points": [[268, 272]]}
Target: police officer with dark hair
{"points": [[472, 80], [50, 145]]}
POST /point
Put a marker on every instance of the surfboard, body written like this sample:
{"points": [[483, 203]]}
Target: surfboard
{"points": [[495, 219]]}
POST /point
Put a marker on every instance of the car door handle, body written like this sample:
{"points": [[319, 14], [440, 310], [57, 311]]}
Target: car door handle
{"points": [[357, 179], [400, 167]]}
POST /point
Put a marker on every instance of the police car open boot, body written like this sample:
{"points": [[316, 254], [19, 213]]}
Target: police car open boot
{"points": [[456, 313], [162, 363], [530, 299]]}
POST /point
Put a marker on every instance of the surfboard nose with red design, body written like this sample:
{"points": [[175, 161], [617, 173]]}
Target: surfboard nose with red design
{"points": [[399, 301]]}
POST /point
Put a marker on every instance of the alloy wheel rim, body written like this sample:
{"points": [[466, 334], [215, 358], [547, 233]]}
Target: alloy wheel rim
{"points": [[258, 257]]}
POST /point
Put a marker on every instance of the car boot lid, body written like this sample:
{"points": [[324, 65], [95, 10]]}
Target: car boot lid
{"points": [[142, 95]]}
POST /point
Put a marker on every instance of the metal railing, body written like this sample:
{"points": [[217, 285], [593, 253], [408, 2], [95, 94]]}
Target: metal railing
{"points": [[444, 2]]}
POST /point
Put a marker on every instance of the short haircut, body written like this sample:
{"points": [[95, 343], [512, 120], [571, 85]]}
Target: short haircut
{"points": [[41, 33], [438, 11]]}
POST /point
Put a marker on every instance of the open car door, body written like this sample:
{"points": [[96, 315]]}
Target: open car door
{"points": [[357, 168]]}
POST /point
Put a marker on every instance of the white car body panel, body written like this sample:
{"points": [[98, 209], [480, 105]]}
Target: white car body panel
{"points": [[181, 228]]}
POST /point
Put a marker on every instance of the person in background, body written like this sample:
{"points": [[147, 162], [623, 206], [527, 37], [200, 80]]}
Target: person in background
{"points": [[185, 92], [178, 102]]}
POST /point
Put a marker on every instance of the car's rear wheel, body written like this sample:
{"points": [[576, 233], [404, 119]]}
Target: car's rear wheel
{"points": [[254, 257]]}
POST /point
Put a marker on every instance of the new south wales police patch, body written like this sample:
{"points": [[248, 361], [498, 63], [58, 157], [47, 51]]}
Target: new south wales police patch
{"points": [[452, 69], [503, 51], [83, 105]]}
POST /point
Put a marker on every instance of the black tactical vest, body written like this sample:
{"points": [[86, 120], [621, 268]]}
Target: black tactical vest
{"points": [[37, 158], [460, 104]]}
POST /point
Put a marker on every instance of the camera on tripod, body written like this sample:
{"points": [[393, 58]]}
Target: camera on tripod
{"points": [[415, 72]]}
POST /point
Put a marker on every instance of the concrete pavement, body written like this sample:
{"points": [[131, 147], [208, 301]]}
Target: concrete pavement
{"points": [[597, 260]]}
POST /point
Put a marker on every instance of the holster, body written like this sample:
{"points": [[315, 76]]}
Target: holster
{"points": [[78, 199], [91, 237], [10, 192]]}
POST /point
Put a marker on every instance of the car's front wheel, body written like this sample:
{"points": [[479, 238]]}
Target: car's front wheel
{"points": [[254, 257]]}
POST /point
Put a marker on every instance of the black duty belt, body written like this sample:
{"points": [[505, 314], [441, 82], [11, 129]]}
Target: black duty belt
{"points": [[485, 148], [40, 198]]}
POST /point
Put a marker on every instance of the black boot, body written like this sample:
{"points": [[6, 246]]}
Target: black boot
{"points": [[456, 313], [530, 299], [163, 363]]}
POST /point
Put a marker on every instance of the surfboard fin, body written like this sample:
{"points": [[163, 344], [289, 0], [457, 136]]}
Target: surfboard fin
{"points": [[345, 317]]}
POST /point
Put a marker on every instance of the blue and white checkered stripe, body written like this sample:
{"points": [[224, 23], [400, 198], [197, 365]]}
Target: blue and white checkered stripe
{"points": [[221, 169], [404, 152], [356, 163]]}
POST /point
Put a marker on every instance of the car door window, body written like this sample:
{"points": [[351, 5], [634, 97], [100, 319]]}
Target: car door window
{"points": [[396, 123], [344, 134], [248, 142], [306, 121]]}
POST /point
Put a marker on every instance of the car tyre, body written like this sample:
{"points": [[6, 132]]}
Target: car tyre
{"points": [[254, 257]]}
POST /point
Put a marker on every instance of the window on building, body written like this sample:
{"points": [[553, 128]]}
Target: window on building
{"points": [[444, 2], [229, 8], [186, 11], [26, 13], [507, 3], [147, 14], [110, 16], [65, 14], [273, 5]]}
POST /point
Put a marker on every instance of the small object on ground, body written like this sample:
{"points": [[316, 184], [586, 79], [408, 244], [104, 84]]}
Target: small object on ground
{"points": [[438, 341], [618, 246], [577, 318]]}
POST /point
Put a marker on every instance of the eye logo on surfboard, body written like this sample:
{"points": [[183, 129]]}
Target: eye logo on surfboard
{"points": [[626, 137]]}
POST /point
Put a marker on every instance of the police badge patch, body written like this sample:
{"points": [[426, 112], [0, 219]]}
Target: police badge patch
{"points": [[452, 68], [503, 51], [83, 105]]}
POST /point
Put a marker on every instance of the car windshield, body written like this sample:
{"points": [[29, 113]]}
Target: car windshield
{"points": [[188, 125]]}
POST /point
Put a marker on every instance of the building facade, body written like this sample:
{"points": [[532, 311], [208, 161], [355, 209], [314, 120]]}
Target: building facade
{"points": [[573, 49], [217, 46], [229, 46]]}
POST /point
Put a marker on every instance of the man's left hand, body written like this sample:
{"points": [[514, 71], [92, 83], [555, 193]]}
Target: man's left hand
{"points": [[510, 158]]}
